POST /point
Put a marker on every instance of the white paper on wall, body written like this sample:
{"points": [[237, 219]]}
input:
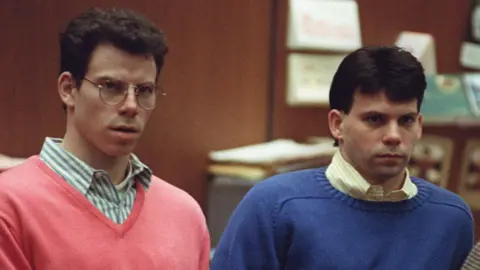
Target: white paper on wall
{"points": [[324, 25], [422, 46], [309, 77]]}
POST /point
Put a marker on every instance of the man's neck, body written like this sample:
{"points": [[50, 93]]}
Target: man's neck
{"points": [[390, 184], [116, 167], [387, 184]]}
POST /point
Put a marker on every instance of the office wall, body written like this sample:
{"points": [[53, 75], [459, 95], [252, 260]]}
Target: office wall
{"points": [[215, 76], [381, 22]]}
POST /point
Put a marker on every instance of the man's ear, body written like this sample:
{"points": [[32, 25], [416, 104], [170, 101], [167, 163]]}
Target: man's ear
{"points": [[420, 126], [66, 87], [335, 123]]}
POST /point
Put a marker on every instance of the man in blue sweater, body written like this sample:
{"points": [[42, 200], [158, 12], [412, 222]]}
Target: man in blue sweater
{"points": [[363, 211]]}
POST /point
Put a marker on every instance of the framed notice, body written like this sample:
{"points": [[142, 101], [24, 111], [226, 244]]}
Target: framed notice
{"points": [[469, 185], [309, 77], [431, 159], [323, 25]]}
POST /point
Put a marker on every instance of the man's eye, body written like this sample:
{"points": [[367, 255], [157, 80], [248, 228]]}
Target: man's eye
{"points": [[406, 120], [113, 86], [374, 119], [147, 89]]}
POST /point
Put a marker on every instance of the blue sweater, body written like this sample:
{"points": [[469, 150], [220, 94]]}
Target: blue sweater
{"points": [[299, 220]]}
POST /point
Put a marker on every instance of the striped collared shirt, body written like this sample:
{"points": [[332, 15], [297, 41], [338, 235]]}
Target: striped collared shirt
{"points": [[94, 184], [473, 260], [346, 179]]}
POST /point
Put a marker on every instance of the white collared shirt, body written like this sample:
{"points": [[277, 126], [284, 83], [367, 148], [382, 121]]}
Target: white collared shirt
{"points": [[348, 180]]}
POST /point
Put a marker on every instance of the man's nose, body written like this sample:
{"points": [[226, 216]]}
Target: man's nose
{"points": [[392, 134], [130, 105]]}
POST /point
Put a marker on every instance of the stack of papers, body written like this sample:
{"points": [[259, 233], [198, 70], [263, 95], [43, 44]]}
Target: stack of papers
{"points": [[277, 151], [259, 161]]}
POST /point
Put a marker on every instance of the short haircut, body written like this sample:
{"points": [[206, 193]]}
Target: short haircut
{"points": [[376, 69], [122, 28]]}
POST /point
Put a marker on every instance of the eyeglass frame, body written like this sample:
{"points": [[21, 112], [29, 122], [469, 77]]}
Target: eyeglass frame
{"points": [[126, 92]]}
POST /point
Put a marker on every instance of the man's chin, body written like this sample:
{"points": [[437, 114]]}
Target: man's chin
{"points": [[390, 172], [119, 150]]}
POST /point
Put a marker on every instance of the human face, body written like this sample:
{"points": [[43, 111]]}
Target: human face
{"points": [[377, 136], [113, 130]]}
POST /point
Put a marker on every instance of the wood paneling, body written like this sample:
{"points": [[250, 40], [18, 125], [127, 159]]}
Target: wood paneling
{"points": [[215, 75]]}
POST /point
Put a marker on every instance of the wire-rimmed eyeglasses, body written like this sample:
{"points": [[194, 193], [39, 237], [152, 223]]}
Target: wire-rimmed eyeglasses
{"points": [[113, 92]]}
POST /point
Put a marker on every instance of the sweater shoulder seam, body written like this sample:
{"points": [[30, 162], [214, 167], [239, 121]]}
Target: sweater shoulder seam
{"points": [[451, 205]]}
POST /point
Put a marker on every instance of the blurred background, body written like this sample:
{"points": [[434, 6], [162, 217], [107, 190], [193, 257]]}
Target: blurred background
{"points": [[254, 72]]}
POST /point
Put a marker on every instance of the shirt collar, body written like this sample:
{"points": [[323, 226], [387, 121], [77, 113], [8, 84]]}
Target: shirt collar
{"points": [[347, 179], [80, 174]]}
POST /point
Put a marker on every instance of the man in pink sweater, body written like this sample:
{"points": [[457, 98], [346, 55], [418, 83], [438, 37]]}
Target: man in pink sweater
{"points": [[87, 202]]}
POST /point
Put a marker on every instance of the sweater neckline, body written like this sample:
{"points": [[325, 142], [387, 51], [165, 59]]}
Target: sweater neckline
{"points": [[120, 229], [411, 204]]}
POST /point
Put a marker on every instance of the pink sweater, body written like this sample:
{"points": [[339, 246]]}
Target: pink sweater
{"points": [[47, 224]]}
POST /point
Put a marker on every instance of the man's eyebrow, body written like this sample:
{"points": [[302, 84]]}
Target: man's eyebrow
{"points": [[413, 114], [146, 83], [111, 78], [106, 78], [373, 112]]}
